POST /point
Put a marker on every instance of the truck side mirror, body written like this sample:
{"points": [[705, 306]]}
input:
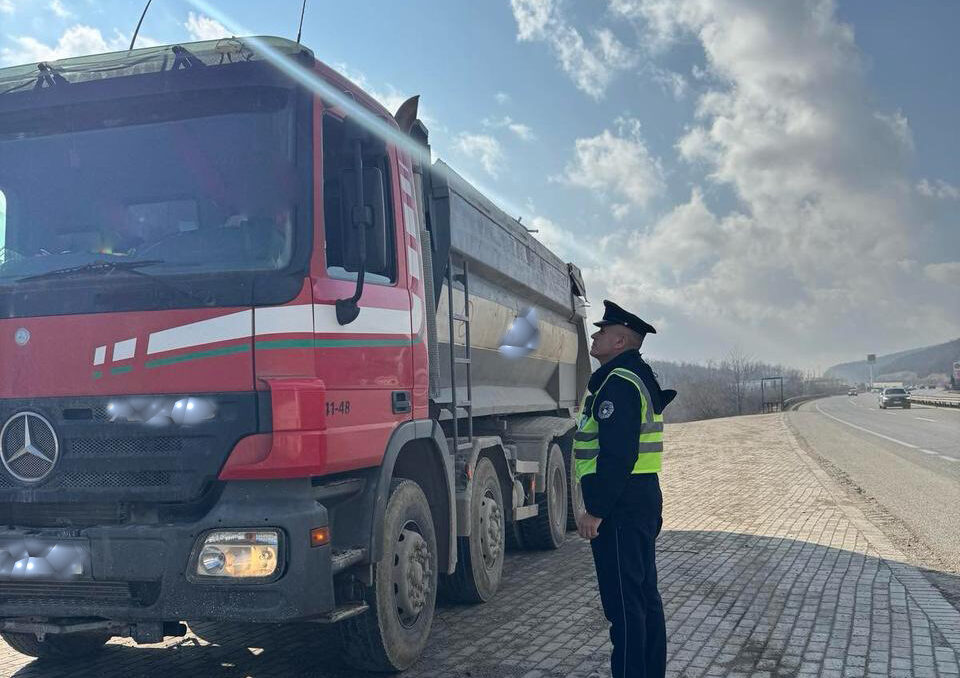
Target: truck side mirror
{"points": [[371, 215], [363, 216]]}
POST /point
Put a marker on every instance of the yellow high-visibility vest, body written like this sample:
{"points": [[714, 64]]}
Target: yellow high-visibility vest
{"points": [[586, 441]]}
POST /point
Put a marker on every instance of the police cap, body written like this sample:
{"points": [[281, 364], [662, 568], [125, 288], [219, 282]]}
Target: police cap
{"points": [[614, 315]]}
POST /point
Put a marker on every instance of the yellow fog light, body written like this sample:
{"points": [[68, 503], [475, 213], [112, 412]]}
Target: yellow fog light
{"points": [[239, 554]]}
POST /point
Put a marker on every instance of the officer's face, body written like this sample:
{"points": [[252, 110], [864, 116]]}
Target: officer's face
{"points": [[607, 342]]}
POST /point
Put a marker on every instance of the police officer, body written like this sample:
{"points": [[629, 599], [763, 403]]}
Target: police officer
{"points": [[617, 448]]}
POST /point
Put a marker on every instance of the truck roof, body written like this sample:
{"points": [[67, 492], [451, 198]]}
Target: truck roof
{"points": [[145, 60]]}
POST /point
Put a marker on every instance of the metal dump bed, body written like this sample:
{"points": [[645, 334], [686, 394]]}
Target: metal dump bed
{"points": [[508, 272]]}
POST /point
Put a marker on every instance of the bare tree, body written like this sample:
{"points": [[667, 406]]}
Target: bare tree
{"points": [[722, 389], [741, 369]]}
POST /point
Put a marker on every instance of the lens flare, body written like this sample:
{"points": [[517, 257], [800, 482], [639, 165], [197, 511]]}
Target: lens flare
{"points": [[312, 81]]}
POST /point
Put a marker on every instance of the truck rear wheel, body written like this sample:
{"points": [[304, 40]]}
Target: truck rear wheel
{"points": [[480, 556], [548, 528], [577, 507], [572, 489], [391, 635], [57, 646]]}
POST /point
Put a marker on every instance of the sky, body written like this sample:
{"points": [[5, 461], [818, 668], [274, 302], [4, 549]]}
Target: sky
{"points": [[775, 176]]}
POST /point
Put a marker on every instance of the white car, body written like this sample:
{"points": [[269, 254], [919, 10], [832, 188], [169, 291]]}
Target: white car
{"points": [[894, 397]]}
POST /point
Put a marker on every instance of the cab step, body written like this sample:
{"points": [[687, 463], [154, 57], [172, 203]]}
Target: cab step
{"points": [[343, 612]]}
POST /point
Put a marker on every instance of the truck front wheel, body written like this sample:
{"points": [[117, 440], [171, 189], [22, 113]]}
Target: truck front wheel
{"points": [[480, 556], [57, 646], [391, 635]]}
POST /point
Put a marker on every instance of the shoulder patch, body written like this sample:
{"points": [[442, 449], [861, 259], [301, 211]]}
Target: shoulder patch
{"points": [[605, 411]]}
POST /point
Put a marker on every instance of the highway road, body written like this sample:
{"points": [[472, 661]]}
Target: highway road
{"points": [[906, 462]]}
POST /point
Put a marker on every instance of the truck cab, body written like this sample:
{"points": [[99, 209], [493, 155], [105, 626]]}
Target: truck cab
{"points": [[221, 392]]}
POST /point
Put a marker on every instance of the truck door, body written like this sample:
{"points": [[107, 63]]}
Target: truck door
{"points": [[367, 363]]}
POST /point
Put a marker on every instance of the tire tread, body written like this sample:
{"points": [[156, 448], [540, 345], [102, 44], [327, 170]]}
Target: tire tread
{"points": [[461, 586], [360, 636], [537, 531]]}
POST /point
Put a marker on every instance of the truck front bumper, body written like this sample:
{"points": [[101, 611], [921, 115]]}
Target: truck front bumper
{"points": [[145, 572]]}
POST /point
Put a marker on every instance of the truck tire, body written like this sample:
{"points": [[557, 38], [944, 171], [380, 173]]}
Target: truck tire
{"points": [[391, 635], [548, 529], [571, 490], [56, 646], [480, 556], [577, 507]]}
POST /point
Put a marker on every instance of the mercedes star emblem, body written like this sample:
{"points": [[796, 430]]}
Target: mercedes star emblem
{"points": [[29, 448]]}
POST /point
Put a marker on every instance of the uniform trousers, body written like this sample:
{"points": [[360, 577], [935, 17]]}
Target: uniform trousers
{"points": [[624, 554]]}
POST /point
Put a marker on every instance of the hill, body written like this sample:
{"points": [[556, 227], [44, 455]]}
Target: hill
{"points": [[911, 365]]}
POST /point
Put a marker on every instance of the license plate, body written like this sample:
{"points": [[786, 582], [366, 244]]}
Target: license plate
{"points": [[31, 558]]}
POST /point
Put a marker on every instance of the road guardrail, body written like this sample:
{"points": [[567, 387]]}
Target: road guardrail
{"points": [[945, 399], [797, 401]]}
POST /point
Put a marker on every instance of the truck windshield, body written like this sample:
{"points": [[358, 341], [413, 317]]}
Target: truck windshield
{"points": [[200, 181]]}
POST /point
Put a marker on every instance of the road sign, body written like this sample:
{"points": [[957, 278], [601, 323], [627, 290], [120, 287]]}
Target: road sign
{"points": [[871, 357]]}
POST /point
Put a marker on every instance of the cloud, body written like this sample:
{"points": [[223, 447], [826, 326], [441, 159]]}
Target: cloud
{"points": [[202, 27], [57, 7], [484, 148], [559, 240], [899, 126], [6, 6], [75, 41], [617, 165], [591, 67], [938, 189], [524, 132], [947, 273], [825, 213], [670, 81], [502, 98]]}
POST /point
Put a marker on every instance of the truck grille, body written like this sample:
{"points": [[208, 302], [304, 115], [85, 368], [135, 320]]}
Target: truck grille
{"points": [[114, 479], [126, 447], [127, 594], [108, 462], [24, 514]]}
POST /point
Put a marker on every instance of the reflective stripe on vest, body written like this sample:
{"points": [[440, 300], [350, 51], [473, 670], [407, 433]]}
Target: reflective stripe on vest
{"points": [[586, 441]]}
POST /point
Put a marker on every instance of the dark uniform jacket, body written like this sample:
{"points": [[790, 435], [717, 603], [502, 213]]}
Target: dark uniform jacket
{"points": [[613, 490]]}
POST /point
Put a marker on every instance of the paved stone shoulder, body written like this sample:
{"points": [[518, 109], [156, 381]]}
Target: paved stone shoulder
{"points": [[764, 569]]}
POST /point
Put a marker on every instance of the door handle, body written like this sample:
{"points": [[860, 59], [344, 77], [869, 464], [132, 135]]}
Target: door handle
{"points": [[401, 402]]}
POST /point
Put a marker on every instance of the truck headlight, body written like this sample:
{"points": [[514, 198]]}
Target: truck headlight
{"points": [[193, 410], [238, 554], [162, 411]]}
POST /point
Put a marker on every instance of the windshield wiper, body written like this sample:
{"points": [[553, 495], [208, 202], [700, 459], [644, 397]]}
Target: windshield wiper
{"points": [[132, 267], [95, 267]]}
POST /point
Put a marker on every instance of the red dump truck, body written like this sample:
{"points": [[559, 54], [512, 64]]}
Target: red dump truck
{"points": [[252, 358]]}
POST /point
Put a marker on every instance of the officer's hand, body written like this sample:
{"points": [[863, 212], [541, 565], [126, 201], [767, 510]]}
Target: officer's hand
{"points": [[588, 526]]}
